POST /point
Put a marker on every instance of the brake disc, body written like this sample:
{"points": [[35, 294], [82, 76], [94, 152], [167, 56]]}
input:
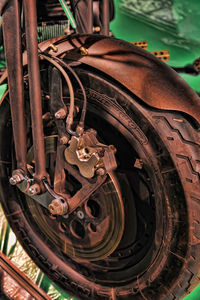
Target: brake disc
{"points": [[94, 230]]}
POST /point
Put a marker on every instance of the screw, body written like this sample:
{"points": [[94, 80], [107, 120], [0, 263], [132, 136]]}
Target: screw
{"points": [[15, 179], [34, 190], [80, 214], [61, 113], [100, 172]]}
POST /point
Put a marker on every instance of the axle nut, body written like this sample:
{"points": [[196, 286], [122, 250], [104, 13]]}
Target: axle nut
{"points": [[58, 207]]}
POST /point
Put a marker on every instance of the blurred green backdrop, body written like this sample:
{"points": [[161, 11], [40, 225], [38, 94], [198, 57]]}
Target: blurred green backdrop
{"points": [[172, 25]]}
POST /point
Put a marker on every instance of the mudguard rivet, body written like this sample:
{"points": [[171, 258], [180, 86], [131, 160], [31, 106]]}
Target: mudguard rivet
{"points": [[84, 51]]}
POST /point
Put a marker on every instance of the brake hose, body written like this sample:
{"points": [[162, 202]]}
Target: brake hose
{"points": [[70, 116], [84, 108]]}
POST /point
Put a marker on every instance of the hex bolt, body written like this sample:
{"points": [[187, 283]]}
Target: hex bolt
{"points": [[61, 113], [15, 179], [80, 214], [34, 190]]}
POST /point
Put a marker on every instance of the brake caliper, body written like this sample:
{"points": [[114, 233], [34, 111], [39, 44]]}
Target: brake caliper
{"points": [[89, 155]]}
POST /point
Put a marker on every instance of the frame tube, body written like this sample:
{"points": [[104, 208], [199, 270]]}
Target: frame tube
{"points": [[105, 11]]}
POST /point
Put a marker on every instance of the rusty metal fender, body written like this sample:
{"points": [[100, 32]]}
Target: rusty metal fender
{"points": [[150, 79]]}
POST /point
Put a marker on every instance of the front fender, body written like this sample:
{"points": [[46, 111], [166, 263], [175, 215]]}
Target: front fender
{"points": [[150, 79]]}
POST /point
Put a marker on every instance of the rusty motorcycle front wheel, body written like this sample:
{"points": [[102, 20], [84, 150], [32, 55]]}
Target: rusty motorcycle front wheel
{"points": [[157, 256]]}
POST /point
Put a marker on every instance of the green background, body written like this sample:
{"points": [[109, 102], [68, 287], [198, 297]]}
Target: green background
{"points": [[172, 25]]}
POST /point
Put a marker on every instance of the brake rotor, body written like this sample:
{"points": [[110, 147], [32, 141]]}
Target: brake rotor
{"points": [[94, 230]]}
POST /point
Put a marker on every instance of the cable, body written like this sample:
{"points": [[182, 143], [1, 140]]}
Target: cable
{"points": [[84, 108]]}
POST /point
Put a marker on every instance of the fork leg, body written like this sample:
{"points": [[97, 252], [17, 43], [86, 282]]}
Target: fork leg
{"points": [[12, 46], [35, 88]]}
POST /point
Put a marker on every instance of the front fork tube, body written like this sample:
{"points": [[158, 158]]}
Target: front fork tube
{"points": [[35, 88], [12, 45], [12, 41]]}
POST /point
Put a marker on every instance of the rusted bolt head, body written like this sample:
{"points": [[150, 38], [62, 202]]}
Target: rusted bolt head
{"points": [[61, 113], [34, 190], [58, 207]]}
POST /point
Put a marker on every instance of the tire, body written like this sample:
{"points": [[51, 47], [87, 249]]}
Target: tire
{"points": [[158, 153]]}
